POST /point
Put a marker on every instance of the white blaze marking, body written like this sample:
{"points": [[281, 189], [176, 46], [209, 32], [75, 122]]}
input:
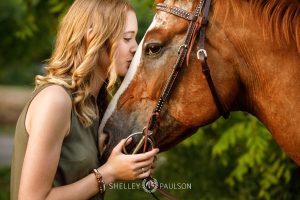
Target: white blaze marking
{"points": [[128, 78]]}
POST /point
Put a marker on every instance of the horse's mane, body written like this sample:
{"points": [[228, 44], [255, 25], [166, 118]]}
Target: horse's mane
{"points": [[280, 19]]}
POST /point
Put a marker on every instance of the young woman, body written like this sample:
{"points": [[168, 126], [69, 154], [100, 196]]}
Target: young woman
{"points": [[55, 152]]}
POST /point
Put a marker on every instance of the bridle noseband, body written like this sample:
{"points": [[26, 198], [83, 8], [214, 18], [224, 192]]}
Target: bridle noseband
{"points": [[197, 26]]}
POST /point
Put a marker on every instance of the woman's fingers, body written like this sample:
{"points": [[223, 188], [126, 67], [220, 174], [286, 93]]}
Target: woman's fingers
{"points": [[145, 168], [119, 147], [144, 173], [141, 170], [146, 156], [144, 163]]}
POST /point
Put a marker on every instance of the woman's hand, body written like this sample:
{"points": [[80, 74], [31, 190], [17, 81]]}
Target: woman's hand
{"points": [[120, 166]]}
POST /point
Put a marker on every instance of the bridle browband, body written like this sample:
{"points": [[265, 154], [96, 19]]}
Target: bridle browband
{"points": [[197, 26]]}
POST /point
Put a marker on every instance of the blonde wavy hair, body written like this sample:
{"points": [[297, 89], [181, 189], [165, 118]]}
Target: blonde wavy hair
{"points": [[75, 57]]}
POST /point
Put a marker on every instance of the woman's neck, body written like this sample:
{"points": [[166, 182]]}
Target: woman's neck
{"points": [[96, 84]]}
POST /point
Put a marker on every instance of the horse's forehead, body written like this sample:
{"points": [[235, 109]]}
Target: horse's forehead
{"points": [[184, 4]]}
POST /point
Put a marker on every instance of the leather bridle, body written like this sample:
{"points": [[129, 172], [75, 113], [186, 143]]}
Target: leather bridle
{"points": [[197, 26]]}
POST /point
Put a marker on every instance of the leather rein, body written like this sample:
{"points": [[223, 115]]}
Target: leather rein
{"points": [[197, 26]]}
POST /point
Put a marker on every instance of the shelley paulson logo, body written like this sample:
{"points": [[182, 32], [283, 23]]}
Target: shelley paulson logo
{"points": [[150, 185]]}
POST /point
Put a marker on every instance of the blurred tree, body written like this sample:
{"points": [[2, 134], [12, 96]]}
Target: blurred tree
{"points": [[232, 159], [144, 11], [27, 33]]}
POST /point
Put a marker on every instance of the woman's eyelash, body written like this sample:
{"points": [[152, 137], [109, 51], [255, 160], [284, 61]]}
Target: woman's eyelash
{"points": [[127, 39]]}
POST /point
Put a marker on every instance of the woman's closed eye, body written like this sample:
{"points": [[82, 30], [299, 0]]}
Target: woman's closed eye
{"points": [[127, 39]]}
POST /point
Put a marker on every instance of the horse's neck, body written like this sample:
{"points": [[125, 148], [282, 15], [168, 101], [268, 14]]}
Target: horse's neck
{"points": [[275, 97], [271, 76]]}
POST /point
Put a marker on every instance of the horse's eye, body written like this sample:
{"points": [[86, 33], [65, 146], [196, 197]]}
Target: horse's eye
{"points": [[153, 49]]}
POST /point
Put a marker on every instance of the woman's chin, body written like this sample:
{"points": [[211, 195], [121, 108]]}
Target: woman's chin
{"points": [[122, 73]]}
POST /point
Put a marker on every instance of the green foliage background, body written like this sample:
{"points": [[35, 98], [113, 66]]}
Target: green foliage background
{"points": [[233, 159], [230, 159]]}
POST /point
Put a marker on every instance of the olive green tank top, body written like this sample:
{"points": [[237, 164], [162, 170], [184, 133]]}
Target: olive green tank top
{"points": [[79, 153]]}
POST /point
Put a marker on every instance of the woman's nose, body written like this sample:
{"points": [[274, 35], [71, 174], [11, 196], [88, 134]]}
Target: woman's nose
{"points": [[134, 47]]}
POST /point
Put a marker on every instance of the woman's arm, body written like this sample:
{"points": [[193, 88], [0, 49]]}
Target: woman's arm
{"points": [[48, 123]]}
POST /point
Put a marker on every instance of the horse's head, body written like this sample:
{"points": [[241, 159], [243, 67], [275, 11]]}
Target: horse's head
{"points": [[191, 103]]}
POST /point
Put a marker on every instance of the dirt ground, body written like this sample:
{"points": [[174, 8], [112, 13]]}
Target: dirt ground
{"points": [[12, 101]]}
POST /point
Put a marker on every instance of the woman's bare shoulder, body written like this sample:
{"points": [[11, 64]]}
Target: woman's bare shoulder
{"points": [[55, 97], [50, 108]]}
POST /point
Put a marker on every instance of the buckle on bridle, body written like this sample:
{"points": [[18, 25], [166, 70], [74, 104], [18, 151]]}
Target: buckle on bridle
{"points": [[201, 51]]}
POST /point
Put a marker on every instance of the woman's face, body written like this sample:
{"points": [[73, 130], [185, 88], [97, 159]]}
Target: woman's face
{"points": [[127, 45]]}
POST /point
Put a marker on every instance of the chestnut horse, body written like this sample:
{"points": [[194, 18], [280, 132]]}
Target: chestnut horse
{"points": [[253, 49]]}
